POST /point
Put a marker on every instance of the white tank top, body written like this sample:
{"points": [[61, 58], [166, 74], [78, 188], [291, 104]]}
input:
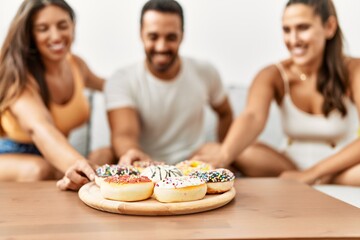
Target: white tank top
{"points": [[302, 126]]}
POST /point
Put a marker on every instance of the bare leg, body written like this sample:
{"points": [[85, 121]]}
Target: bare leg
{"points": [[260, 160], [102, 156], [25, 168], [350, 176]]}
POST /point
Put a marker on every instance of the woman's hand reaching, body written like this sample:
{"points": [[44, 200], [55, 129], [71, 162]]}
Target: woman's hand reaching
{"points": [[76, 176], [307, 176], [213, 154]]}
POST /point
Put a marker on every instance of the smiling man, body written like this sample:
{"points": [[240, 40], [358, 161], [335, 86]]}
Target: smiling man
{"points": [[156, 107]]}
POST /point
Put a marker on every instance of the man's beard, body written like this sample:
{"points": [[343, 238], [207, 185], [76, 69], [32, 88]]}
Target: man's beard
{"points": [[163, 67]]}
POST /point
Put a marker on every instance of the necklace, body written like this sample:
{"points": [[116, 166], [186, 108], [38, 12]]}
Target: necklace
{"points": [[303, 77]]}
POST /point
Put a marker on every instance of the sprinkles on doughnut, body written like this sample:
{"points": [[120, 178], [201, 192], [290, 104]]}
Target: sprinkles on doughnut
{"points": [[180, 189], [113, 170], [218, 181]]}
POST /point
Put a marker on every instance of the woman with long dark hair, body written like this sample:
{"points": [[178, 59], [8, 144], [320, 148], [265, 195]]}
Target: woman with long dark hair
{"points": [[41, 95], [317, 90]]}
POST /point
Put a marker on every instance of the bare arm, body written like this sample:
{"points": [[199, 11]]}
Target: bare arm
{"points": [[225, 117], [125, 131], [246, 128], [36, 120], [250, 123], [91, 80]]}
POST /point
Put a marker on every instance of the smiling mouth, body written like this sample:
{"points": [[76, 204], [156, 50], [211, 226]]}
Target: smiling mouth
{"points": [[57, 47], [162, 57], [298, 51]]}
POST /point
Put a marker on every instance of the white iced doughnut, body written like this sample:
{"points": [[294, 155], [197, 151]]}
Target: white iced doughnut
{"points": [[180, 189], [160, 172]]}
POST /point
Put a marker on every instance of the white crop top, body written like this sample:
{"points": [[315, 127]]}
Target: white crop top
{"points": [[300, 125]]}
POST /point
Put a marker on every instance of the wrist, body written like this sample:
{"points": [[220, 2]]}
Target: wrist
{"points": [[316, 171], [225, 157]]}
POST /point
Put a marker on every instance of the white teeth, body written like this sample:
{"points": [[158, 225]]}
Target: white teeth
{"points": [[298, 51], [57, 46], [161, 57]]}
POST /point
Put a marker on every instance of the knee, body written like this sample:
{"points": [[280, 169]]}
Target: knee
{"points": [[255, 162], [248, 166], [35, 169], [349, 177]]}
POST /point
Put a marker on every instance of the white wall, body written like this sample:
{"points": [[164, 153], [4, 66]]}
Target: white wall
{"points": [[238, 36]]}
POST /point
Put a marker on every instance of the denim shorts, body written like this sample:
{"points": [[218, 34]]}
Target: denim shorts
{"points": [[10, 146]]}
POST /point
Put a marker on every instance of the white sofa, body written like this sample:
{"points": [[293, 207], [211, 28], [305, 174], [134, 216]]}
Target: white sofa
{"points": [[96, 134]]}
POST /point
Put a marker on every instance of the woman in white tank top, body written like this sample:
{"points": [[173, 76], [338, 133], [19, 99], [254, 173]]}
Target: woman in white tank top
{"points": [[316, 92]]}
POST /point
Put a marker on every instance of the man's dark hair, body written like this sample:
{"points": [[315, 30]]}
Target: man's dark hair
{"points": [[164, 6]]}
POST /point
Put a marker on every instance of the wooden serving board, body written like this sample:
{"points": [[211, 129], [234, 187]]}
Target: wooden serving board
{"points": [[91, 196]]}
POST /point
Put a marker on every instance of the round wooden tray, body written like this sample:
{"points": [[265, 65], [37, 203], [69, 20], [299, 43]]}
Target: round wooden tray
{"points": [[91, 196]]}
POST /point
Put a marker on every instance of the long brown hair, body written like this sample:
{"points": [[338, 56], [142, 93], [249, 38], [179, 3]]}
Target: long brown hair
{"points": [[332, 81], [19, 56]]}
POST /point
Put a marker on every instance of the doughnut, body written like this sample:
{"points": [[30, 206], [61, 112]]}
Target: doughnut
{"points": [[160, 172], [127, 188], [113, 170], [141, 165], [189, 166], [180, 189], [218, 181]]}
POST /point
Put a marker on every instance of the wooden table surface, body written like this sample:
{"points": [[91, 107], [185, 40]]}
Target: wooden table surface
{"points": [[262, 209]]}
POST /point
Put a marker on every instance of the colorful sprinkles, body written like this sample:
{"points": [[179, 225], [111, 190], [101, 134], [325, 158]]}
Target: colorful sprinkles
{"points": [[179, 182], [127, 179], [217, 175], [113, 170]]}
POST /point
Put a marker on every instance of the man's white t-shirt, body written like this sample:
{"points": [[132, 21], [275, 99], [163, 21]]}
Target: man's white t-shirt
{"points": [[171, 112]]}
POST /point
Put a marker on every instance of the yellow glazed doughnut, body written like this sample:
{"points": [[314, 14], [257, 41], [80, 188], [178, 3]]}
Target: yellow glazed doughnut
{"points": [[180, 189], [127, 188], [218, 181], [190, 166]]}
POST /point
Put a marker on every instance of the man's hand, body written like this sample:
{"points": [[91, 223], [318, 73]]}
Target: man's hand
{"points": [[132, 156], [76, 176]]}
